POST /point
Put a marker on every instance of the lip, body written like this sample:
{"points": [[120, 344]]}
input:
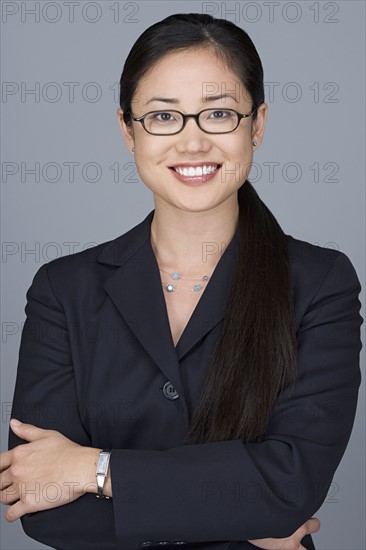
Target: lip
{"points": [[195, 164], [195, 180]]}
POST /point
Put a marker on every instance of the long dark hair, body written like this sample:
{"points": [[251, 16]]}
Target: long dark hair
{"points": [[255, 356]]}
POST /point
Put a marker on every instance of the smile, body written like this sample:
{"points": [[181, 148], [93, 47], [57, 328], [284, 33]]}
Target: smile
{"points": [[196, 170], [195, 175]]}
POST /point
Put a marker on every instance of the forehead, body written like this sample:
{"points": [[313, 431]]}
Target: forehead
{"points": [[193, 57], [189, 73]]}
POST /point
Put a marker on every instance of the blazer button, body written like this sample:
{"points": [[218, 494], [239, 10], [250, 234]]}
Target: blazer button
{"points": [[169, 391]]}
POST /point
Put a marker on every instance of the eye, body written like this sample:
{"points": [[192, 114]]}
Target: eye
{"points": [[164, 117], [221, 114]]}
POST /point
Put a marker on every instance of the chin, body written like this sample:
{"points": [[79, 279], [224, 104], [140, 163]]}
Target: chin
{"points": [[195, 206]]}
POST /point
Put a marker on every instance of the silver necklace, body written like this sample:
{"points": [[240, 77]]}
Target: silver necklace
{"points": [[176, 276]]}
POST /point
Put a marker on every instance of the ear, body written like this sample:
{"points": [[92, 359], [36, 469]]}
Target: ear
{"points": [[260, 123], [127, 131]]}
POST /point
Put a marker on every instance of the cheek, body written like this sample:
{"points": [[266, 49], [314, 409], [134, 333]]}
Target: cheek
{"points": [[246, 155], [240, 157], [236, 147], [246, 168], [152, 154], [150, 166]]}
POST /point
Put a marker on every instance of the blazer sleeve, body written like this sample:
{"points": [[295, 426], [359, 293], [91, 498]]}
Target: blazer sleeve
{"points": [[45, 395], [222, 491], [230, 490]]}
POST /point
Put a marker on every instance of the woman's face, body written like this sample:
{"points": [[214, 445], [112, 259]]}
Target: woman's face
{"points": [[190, 77]]}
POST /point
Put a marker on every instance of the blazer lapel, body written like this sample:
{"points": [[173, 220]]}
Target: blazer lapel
{"points": [[211, 306], [136, 290]]}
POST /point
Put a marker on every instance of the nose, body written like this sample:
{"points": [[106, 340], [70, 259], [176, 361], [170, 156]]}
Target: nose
{"points": [[192, 138], [193, 121]]}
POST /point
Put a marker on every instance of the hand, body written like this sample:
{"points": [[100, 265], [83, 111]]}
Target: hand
{"points": [[46, 473], [290, 543]]}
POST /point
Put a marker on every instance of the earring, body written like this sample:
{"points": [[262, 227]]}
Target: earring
{"points": [[255, 143], [133, 149]]}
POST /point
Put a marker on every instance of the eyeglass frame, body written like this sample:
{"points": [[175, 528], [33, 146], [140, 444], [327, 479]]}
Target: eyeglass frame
{"points": [[195, 116]]}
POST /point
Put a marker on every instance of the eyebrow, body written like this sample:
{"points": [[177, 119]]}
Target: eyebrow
{"points": [[206, 98]]}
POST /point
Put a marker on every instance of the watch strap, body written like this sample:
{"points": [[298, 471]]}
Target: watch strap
{"points": [[101, 471]]}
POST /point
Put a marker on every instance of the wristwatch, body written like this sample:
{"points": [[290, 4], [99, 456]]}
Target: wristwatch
{"points": [[101, 472]]}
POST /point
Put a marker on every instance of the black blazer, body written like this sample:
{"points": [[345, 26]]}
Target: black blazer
{"points": [[97, 363]]}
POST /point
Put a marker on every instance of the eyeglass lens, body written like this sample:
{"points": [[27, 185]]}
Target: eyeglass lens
{"points": [[212, 120]]}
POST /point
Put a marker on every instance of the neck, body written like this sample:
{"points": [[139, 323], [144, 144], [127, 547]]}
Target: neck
{"points": [[192, 243]]}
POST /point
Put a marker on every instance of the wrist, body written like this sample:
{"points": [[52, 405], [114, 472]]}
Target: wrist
{"points": [[89, 459]]}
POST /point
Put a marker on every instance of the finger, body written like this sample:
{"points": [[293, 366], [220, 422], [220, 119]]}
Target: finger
{"points": [[5, 480], [5, 460], [29, 432], [16, 511], [10, 494], [313, 525], [310, 526]]}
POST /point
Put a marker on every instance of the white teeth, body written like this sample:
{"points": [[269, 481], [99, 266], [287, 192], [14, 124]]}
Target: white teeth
{"points": [[196, 171]]}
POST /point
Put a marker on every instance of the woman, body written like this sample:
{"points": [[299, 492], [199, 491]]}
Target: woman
{"points": [[206, 362]]}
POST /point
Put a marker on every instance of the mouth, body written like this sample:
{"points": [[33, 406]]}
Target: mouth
{"points": [[195, 174], [195, 171]]}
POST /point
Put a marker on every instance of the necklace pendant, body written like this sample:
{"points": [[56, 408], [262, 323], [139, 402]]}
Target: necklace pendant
{"points": [[175, 276], [170, 288], [196, 288], [205, 278]]}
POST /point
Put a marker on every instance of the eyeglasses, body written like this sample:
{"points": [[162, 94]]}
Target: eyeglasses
{"points": [[210, 121]]}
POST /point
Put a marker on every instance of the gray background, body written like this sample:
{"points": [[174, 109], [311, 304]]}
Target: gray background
{"points": [[309, 169]]}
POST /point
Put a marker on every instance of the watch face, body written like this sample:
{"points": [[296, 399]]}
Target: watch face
{"points": [[103, 463]]}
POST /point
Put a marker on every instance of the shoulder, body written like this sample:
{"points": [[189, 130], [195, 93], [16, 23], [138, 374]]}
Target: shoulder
{"points": [[318, 272], [316, 260], [78, 273], [79, 265]]}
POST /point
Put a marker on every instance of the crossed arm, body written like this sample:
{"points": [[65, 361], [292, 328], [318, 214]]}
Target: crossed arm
{"points": [[64, 471], [57, 459], [329, 333]]}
